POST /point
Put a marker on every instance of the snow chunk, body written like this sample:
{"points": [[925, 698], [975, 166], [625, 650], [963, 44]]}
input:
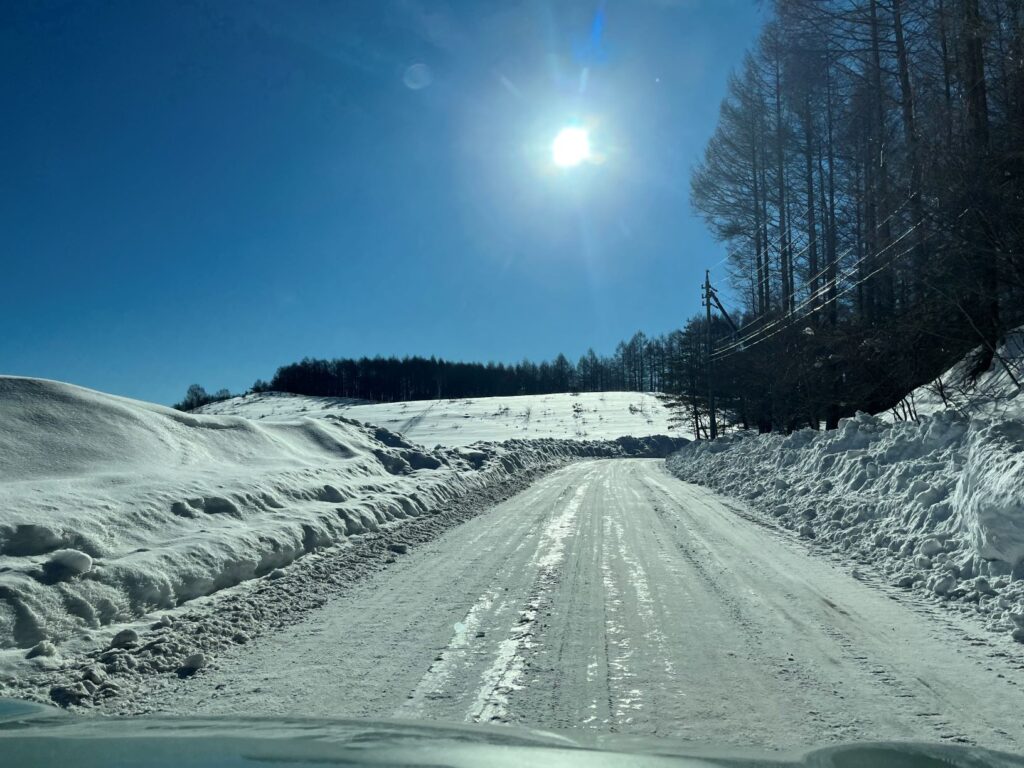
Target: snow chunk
{"points": [[930, 546], [192, 664], [43, 648], [71, 561], [124, 639]]}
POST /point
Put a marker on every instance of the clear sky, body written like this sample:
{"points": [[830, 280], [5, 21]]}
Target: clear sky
{"points": [[201, 191]]}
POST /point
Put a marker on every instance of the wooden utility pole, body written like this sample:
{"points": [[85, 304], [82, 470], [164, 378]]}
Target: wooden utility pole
{"points": [[713, 422]]}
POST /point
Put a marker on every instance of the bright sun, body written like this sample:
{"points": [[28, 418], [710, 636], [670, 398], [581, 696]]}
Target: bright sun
{"points": [[570, 147]]}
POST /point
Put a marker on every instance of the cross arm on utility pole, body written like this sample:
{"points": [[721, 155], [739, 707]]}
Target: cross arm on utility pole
{"points": [[708, 297], [714, 298]]}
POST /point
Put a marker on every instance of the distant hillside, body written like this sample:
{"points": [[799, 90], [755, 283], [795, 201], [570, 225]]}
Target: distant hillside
{"points": [[588, 415]]}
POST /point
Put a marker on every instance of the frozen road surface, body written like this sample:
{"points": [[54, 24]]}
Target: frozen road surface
{"points": [[614, 597]]}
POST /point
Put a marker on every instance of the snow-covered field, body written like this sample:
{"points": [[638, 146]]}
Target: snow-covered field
{"points": [[584, 416], [937, 503], [112, 508]]}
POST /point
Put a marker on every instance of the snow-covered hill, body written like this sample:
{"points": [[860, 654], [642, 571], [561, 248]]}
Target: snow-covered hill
{"points": [[111, 508], [937, 502], [583, 416]]}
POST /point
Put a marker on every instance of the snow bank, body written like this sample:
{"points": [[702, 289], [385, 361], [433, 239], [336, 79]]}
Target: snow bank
{"points": [[111, 508], [583, 416], [937, 504], [989, 493]]}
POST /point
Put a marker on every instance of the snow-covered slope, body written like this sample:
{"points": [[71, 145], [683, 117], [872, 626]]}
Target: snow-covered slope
{"points": [[996, 392], [586, 416], [937, 503], [110, 508]]}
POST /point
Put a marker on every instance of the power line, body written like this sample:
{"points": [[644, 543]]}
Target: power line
{"points": [[763, 281], [743, 342], [795, 321], [751, 338]]}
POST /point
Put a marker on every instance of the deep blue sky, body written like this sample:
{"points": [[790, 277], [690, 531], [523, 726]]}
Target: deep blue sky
{"points": [[202, 191]]}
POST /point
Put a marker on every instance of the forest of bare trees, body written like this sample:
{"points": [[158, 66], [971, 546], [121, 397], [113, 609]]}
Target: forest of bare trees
{"points": [[867, 179], [640, 364]]}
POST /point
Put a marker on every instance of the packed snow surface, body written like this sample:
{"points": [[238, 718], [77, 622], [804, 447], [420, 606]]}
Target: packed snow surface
{"points": [[936, 502], [111, 508], [584, 416]]}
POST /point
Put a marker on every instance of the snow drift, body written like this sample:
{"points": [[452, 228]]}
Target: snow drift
{"points": [[938, 502], [111, 508]]}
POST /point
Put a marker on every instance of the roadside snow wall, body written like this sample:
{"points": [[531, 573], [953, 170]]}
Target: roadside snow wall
{"points": [[111, 508], [937, 504]]}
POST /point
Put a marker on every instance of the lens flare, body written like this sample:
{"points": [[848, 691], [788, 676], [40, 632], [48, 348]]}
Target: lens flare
{"points": [[570, 147]]}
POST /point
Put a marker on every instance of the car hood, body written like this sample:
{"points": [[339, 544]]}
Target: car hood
{"points": [[39, 735]]}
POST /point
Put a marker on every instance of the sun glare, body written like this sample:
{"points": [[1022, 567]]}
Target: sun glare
{"points": [[570, 147]]}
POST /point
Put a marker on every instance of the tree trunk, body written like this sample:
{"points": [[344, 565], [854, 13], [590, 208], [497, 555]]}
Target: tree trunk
{"points": [[780, 161], [812, 227], [913, 150], [884, 277], [982, 237], [759, 293]]}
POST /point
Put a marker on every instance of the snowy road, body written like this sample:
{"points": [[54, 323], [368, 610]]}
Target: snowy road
{"points": [[613, 596]]}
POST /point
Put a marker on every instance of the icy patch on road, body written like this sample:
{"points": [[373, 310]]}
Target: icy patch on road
{"points": [[645, 603], [551, 550], [503, 676], [626, 697], [432, 685]]}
